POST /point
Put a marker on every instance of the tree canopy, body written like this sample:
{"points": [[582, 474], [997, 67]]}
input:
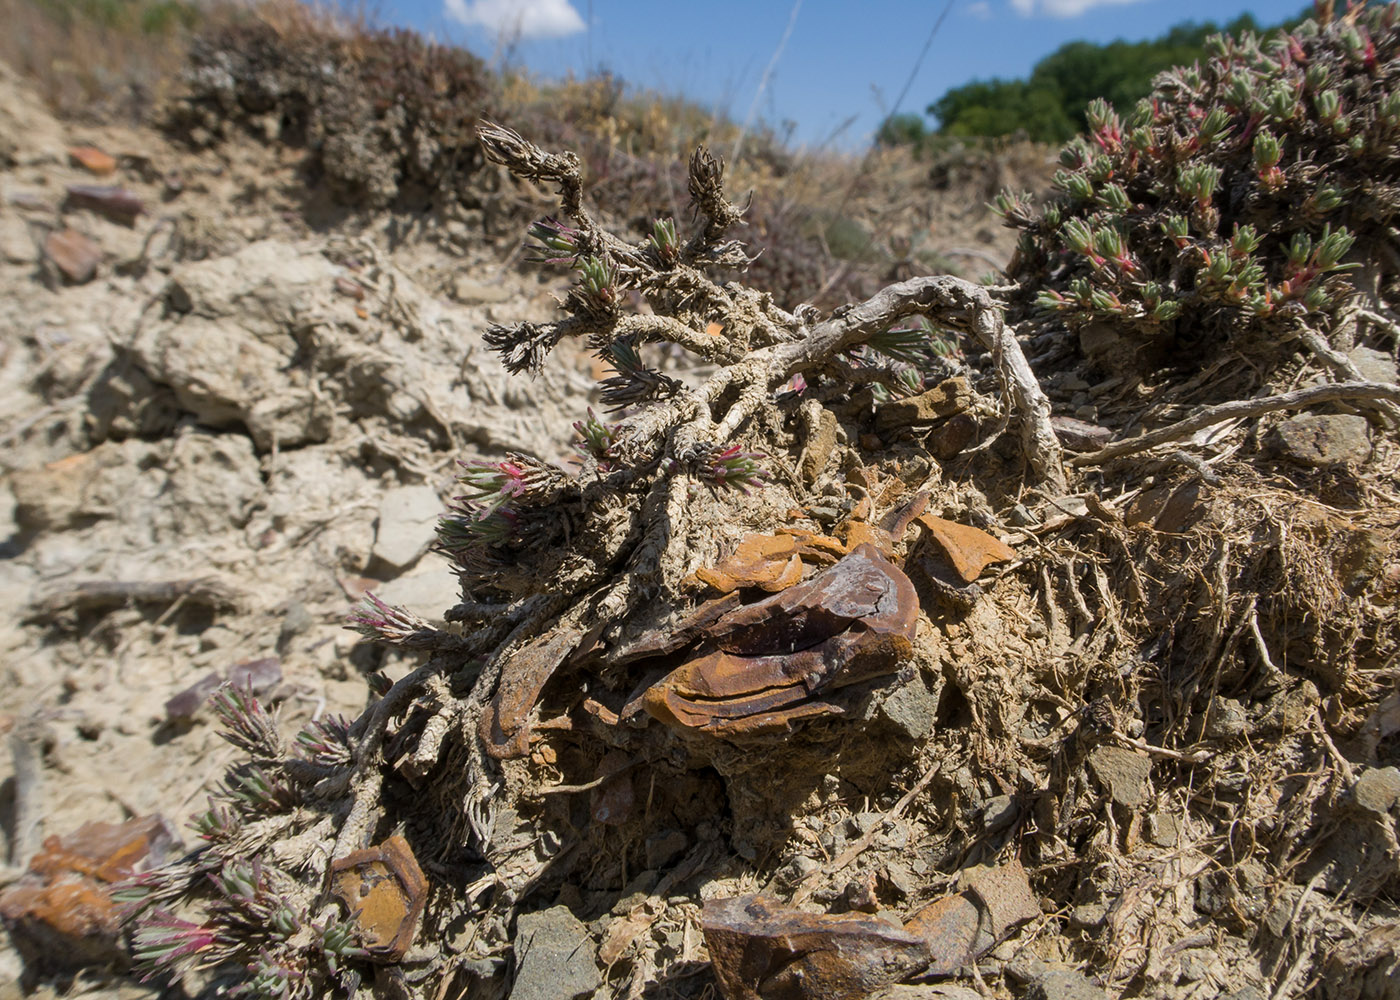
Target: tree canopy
{"points": [[1048, 106]]}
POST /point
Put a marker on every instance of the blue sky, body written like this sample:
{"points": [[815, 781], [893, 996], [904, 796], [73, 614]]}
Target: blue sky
{"points": [[840, 60]]}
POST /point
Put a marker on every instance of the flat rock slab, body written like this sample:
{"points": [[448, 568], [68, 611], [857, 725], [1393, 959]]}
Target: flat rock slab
{"points": [[1377, 790], [428, 589], [73, 254], [948, 397], [1125, 773], [1318, 440], [1374, 365], [554, 957], [407, 522]]}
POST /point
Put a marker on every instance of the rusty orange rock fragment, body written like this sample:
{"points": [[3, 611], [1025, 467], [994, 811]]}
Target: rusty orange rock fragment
{"points": [[384, 890], [815, 547], [759, 561], [775, 562], [861, 533], [969, 550], [93, 160], [764, 950], [762, 666], [898, 519], [961, 927], [505, 725], [62, 908]]}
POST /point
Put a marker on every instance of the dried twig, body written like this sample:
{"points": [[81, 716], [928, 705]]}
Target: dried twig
{"points": [[89, 594], [1238, 408]]}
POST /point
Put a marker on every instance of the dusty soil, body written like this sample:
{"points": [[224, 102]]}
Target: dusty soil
{"points": [[247, 418]]}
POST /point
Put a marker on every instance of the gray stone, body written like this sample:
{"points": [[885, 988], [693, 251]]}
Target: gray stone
{"points": [[469, 291], [1374, 365], [1098, 339], [1123, 772], [1225, 719], [1289, 710], [407, 522], [1088, 916], [664, 847], [1246, 993], [1322, 439], [911, 709], [428, 590], [17, 244], [926, 991], [553, 957], [1163, 829], [998, 812], [1063, 984], [1377, 790]]}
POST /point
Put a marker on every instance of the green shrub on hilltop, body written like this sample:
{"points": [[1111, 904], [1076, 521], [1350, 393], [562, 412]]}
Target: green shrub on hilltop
{"points": [[1231, 200], [1049, 105]]}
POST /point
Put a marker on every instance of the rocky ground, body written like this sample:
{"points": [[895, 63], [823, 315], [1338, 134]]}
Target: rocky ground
{"points": [[213, 444], [225, 416], [228, 415]]}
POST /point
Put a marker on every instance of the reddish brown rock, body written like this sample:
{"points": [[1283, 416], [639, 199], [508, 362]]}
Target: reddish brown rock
{"points": [[93, 160], [73, 254], [384, 890], [968, 550], [116, 203], [765, 950], [769, 664]]}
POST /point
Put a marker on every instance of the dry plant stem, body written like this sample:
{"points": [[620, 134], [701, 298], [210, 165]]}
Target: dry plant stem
{"points": [[963, 306], [1188, 757], [28, 806], [790, 347], [1237, 409], [365, 778], [1344, 368]]}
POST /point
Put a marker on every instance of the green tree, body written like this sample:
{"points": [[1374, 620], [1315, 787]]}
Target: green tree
{"points": [[1049, 105], [906, 129]]}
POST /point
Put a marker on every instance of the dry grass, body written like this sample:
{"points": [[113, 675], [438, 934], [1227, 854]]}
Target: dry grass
{"points": [[93, 60]]}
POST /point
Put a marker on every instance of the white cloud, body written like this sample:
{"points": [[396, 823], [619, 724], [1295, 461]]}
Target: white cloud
{"points": [[980, 9], [522, 19], [1062, 8]]}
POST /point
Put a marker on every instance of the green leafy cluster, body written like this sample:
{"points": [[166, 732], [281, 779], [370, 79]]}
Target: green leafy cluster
{"points": [[248, 911], [1230, 200], [1048, 105]]}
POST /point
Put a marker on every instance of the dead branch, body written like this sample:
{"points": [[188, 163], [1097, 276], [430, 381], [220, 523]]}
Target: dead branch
{"points": [[86, 595], [1236, 409], [1343, 367]]}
